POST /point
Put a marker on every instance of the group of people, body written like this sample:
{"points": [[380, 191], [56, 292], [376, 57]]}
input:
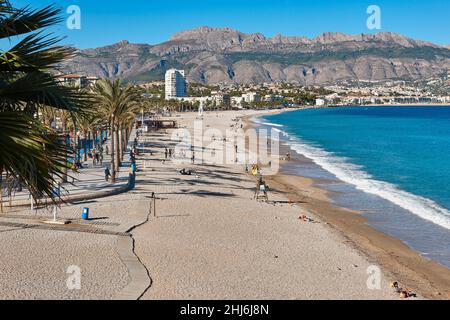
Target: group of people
{"points": [[96, 155], [133, 166], [168, 152]]}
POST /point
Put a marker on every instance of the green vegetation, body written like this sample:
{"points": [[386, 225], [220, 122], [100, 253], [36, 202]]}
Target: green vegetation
{"points": [[426, 53], [118, 105], [157, 73], [200, 90], [42, 120], [32, 152]]}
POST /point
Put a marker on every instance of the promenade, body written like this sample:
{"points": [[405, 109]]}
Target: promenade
{"points": [[87, 183]]}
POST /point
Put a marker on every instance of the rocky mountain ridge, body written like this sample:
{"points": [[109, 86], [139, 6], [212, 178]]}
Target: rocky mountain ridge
{"points": [[224, 55]]}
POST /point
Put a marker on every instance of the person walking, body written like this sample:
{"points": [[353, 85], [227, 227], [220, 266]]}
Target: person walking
{"points": [[107, 174]]}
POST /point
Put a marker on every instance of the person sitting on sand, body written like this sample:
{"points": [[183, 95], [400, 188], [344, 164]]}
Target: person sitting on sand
{"points": [[185, 173], [306, 218], [404, 293]]}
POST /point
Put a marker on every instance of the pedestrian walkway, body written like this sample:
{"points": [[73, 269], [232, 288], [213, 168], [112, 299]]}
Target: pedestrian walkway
{"points": [[86, 183]]}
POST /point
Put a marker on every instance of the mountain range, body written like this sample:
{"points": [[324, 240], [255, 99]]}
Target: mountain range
{"points": [[224, 55]]}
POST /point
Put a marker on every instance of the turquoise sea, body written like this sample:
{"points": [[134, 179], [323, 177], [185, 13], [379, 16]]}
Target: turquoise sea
{"points": [[392, 163]]}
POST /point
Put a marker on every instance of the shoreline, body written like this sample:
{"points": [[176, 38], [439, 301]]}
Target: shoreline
{"points": [[398, 261], [212, 240]]}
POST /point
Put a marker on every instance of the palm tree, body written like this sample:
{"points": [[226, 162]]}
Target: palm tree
{"points": [[31, 150], [115, 102]]}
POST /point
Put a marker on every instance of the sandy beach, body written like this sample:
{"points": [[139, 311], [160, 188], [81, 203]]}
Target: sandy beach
{"points": [[210, 239]]}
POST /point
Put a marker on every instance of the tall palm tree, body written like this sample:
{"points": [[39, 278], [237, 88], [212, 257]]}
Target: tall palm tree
{"points": [[88, 123], [114, 101], [31, 150]]}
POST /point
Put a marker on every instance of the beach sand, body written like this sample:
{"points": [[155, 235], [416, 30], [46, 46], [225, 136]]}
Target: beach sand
{"points": [[212, 240]]}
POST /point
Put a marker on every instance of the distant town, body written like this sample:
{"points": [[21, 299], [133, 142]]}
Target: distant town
{"points": [[176, 89]]}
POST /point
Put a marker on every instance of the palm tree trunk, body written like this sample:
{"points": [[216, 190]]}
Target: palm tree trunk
{"points": [[127, 137], [75, 146], [113, 165], [120, 137], [64, 174], [86, 141], [1, 188], [117, 155]]}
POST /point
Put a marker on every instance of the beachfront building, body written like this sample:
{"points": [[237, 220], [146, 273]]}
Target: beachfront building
{"points": [[221, 99], [273, 98], [250, 97], [76, 80], [175, 84], [320, 102], [236, 102]]}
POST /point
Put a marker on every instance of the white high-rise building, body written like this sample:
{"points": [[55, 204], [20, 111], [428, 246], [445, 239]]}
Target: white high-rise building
{"points": [[176, 86]]}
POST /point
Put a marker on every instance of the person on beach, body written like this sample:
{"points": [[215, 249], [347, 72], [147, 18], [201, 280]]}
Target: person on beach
{"points": [[261, 189], [94, 157], [78, 165], [193, 157], [166, 152], [183, 172], [107, 174]]}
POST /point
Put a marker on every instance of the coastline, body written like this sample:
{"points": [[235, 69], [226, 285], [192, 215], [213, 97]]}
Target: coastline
{"points": [[212, 240], [398, 261]]}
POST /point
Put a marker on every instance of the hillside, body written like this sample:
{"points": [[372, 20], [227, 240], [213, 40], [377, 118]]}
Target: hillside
{"points": [[223, 55]]}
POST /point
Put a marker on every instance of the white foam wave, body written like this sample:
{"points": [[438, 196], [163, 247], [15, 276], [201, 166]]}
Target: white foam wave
{"points": [[258, 121], [345, 171]]}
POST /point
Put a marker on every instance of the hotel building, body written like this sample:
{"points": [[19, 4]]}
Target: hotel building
{"points": [[176, 86]]}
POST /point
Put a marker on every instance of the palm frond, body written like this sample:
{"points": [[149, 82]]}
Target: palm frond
{"points": [[32, 152], [34, 52], [40, 88], [14, 21]]}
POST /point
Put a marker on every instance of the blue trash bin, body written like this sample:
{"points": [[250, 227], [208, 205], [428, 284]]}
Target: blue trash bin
{"points": [[85, 214]]}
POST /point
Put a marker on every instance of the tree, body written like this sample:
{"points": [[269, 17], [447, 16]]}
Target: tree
{"points": [[115, 101], [31, 150]]}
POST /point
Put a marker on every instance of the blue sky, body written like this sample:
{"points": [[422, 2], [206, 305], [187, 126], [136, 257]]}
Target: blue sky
{"points": [[148, 21]]}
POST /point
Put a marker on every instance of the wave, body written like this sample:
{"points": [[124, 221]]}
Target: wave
{"points": [[355, 175], [259, 121]]}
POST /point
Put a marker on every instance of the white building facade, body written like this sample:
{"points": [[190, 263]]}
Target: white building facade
{"points": [[175, 84]]}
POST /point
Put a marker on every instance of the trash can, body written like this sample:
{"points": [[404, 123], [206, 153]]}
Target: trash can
{"points": [[85, 214]]}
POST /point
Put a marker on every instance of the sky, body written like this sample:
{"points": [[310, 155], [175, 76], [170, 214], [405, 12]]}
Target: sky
{"points": [[105, 22]]}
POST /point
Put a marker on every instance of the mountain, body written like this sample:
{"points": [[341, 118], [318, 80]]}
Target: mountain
{"points": [[224, 55]]}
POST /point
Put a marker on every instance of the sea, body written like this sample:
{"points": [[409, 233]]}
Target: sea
{"points": [[390, 163]]}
